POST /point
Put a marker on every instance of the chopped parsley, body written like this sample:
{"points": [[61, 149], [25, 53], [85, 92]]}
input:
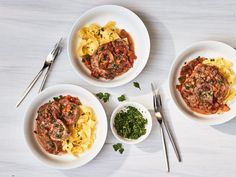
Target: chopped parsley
{"points": [[103, 96], [130, 123], [187, 87], [121, 98], [118, 147], [181, 79], [57, 98], [136, 84], [58, 135]]}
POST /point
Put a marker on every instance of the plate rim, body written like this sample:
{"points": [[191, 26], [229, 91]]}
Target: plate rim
{"points": [[107, 84], [170, 74], [26, 125]]}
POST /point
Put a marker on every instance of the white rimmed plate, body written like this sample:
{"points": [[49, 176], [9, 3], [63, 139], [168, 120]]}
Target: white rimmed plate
{"points": [[208, 49], [125, 19], [65, 161]]}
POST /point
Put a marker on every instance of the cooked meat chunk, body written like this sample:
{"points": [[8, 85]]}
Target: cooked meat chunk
{"points": [[52, 122], [203, 87], [112, 59], [58, 131], [70, 109]]}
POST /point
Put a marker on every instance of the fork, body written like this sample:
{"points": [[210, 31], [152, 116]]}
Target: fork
{"points": [[47, 64], [169, 132], [157, 109]]}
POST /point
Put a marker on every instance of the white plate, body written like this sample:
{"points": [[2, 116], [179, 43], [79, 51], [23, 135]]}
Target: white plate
{"points": [[125, 19], [146, 114], [208, 49], [65, 161]]}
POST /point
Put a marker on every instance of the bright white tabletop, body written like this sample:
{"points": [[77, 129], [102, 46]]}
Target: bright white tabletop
{"points": [[28, 30]]}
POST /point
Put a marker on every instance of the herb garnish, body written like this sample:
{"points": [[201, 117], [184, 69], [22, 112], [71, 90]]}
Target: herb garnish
{"points": [[136, 84], [56, 98], [130, 123], [181, 79], [121, 98], [118, 147], [103, 96]]}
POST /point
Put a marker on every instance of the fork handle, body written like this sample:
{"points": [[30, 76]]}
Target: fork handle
{"points": [[30, 87], [164, 147], [172, 140], [45, 78]]}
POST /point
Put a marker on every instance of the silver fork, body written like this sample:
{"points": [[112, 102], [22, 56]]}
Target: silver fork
{"points": [[157, 109], [47, 64], [168, 130]]}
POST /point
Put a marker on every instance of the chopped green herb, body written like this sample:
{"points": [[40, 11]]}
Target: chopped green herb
{"points": [[99, 95], [103, 96], [130, 123], [102, 48], [187, 87], [73, 106], [106, 97], [56, 98], [181, 79], [70, 113], [51, 144], [58, 135], [121, 98], [198, 58], [118, 147], [121, 150], [136, 84]]}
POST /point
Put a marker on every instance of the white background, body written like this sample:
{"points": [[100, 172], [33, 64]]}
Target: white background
{"points": [[29, 29]]}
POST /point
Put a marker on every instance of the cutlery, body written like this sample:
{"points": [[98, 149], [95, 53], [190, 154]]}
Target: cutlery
{"points": [[47, 65], [157, 109], [172, 140], [166, 125]]}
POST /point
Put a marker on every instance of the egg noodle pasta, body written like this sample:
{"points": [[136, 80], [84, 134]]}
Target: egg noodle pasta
{"points": [[94, 35], [82, 132]]}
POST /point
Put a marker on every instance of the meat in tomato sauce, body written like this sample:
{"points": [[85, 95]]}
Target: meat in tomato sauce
{"points": [[203, 87], [53, 120], [113, 58]]}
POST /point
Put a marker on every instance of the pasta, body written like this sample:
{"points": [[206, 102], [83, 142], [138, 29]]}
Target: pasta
{"points": [[92, 36], [225, 67], [82, 132]]}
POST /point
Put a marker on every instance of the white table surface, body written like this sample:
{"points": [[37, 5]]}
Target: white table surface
{"points": [[28, 30]]}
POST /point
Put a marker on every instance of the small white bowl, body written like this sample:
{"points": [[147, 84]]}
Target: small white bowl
{"points": [[144, 112]]}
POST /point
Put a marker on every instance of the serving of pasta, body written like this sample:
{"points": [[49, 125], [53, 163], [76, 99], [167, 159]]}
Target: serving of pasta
{"points": [[94, 35], [82, 132], [225, 67]]}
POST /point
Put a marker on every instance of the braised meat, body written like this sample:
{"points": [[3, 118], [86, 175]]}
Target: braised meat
{"points": [[203, 87], [53, 120], [112, 59]]}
